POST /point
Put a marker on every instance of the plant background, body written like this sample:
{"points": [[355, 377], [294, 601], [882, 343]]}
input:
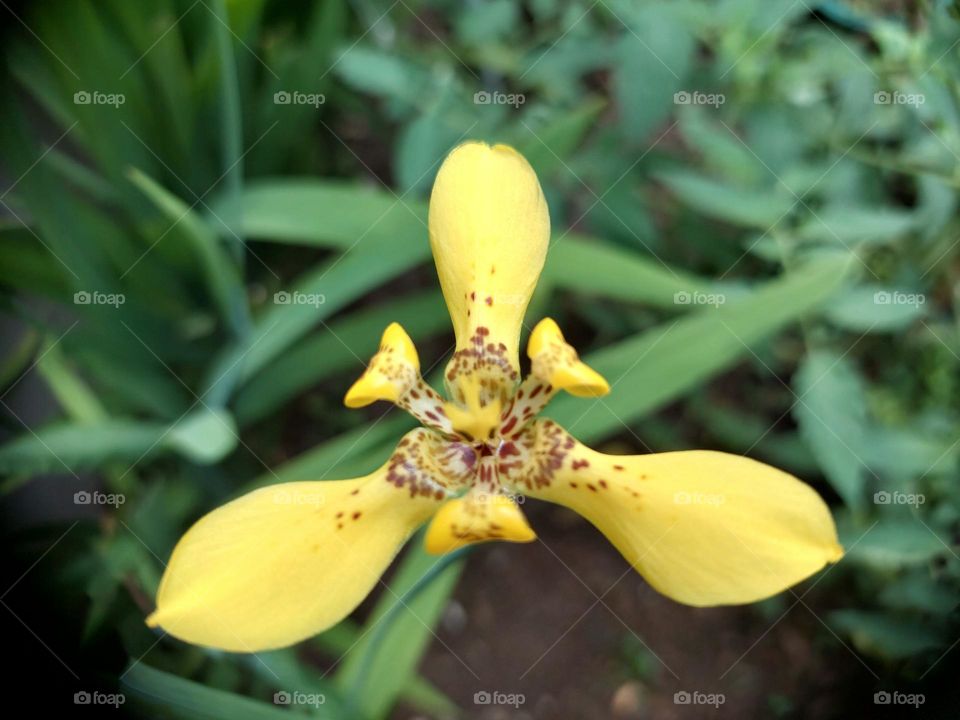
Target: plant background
{"points": [[755, 247]]}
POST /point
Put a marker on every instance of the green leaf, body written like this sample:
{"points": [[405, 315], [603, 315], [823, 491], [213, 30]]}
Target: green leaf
{"points": [[874, 308], [876, 633], [832, 414], [347, 343], [585, 265], [332, 214], [76, 399], [187, 699], [371, 262], [749, 207], [385, 660], [893, 543], [653, 60], [350, 454], [70, 447], [380, 73], [547, 148], [221, 273], [205, 436], [650, 369], [857, 224]]}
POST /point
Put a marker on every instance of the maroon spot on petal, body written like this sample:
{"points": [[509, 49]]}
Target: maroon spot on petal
{"points": [[489, 300], [356, 515], [577, 464], [618, 467]]}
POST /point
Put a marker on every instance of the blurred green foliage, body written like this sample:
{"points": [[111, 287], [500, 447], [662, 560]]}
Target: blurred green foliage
{"points": [[759, 190]]}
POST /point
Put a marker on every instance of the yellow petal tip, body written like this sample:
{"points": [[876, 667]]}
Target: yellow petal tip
{"points": [[545, 333], [368, 389], [580, 380], [559, 364], [396, 338], [474, 519]]}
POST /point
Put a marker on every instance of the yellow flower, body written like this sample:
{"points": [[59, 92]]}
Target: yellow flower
{"points": [[288, 561]]}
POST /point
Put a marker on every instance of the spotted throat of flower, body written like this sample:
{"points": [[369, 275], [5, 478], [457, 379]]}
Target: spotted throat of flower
{"points": [[285, 562]]}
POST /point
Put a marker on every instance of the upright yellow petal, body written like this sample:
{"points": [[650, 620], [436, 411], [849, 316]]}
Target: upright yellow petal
{"points": [[285, 562], [704, 528], [489, 231]]}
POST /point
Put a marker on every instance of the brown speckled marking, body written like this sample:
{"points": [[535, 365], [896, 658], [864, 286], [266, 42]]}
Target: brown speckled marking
{"points": [[519, 454]]}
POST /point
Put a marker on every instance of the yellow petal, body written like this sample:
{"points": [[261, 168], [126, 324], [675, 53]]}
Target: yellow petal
{"points": [[556, 362], [394, 375], [489, 231], [476, 517], [285, 562], [704, 528], [391, 373]]}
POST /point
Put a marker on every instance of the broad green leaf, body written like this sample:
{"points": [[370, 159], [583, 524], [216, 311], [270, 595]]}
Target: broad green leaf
{"points": [[549, 147], [876, 633], [850, 225], [874, 308], [893, 543], [380, 73], [332, 214], [205, 436], [750, 207], [831, 411], [919, 589], [581, 264], [653, 60], [654, 367], [70, 447]]}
